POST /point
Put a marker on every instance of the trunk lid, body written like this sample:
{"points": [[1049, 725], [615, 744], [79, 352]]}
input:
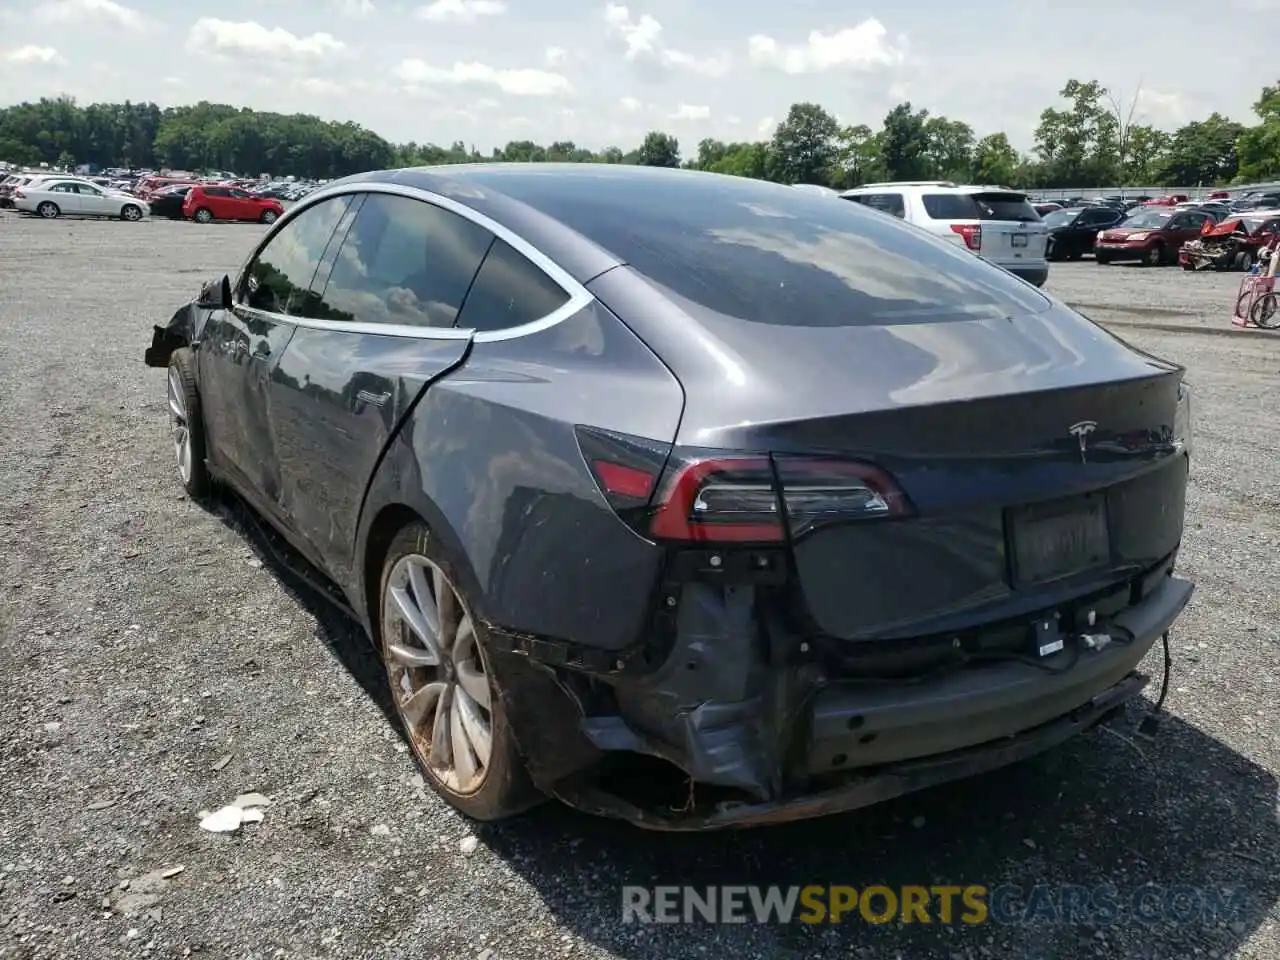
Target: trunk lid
{"points": [[1012, 231]]}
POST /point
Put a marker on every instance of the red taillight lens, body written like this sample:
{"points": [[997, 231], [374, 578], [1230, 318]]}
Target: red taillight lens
{"points": [[18, 194], [720, 500], [971, 232], [759, 500]]}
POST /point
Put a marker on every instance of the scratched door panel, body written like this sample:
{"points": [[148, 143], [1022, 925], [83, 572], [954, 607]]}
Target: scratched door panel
{"points": [[336, 399]]}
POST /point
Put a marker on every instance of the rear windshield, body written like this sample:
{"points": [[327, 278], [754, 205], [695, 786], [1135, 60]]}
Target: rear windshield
{"points": [[950, 206], [1005, 206], [765, 253]]}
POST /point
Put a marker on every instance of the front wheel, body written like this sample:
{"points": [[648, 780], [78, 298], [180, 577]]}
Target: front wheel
{"points": [[131, 212], [437, 658], [1101, 259], [187, 425], [49, 210], [269, 216], [1154, 256]]}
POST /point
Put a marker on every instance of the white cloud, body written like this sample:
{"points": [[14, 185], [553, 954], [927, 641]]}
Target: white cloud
{"points": [[320, 86], [766, 127], [630, 104], [520, 83], [640, 36], [32, 54], [706, 67], [210, 35], [864, 47], [461, 11], [1167, 110], [556, 56], [174, 82], [688, 111], [358, 9], [79, 11]]}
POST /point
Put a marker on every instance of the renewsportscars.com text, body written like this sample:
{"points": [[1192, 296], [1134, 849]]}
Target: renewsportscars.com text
{"points": [[968, 904]]}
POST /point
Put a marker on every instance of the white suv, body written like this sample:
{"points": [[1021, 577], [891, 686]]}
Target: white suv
{"points": [[997, 223]]}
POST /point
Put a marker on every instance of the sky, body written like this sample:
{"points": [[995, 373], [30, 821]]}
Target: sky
{"points": [[604, 73]]}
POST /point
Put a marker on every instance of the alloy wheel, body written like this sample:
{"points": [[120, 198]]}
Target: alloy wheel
{"points": [[180, 429], [132, 213], [439, 679]]}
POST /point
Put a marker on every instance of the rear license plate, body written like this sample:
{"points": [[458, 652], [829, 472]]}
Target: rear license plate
{"points": [[1057, 539], [1019, 239]]}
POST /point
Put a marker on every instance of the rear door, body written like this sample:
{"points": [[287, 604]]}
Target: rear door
{"points": [[65, 195], [378, 328], [1012, 231], [219, 202], [241, 348]]}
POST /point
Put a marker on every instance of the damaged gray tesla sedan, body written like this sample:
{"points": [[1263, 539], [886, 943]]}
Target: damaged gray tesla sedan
{"points": [[777, 502]]}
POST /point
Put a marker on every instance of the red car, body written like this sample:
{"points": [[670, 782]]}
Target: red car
{"points": [[1153, 235], [205, 204]]}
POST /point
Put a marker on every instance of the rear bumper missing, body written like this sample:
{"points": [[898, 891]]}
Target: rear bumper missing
{"points": [[773, 745]]}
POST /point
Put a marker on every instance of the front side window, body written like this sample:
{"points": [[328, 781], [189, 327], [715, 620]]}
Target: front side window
{"points": [[509, 291], [405, 262], [278, 279]]}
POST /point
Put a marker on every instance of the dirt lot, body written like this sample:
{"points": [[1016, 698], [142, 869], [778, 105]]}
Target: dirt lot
{"points": [[143, 642]]}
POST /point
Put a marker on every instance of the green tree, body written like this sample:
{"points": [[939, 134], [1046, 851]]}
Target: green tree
{"points": [[949, 148], [804, 145], [1259, 147], [1202, 152], [659, 150], [995, 160], [858, 157], [904, 144]]}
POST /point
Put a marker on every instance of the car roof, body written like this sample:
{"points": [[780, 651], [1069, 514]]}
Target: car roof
{"points": [[530, 199]]}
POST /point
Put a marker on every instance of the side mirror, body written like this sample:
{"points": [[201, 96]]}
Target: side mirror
{"points": [[215, 295]]}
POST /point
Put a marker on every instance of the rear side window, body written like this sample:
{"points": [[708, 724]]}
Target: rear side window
{"points": [[1005, 206], [732, 250], [405, 262], [278, 279], [950, 206], [891, 203], [509, 291], [217, 192]]}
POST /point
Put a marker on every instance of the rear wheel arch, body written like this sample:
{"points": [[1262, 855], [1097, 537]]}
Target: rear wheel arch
{"points": [[390, 519]]}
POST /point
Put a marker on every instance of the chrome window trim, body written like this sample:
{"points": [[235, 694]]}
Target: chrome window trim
{"points": [[579, 296]]}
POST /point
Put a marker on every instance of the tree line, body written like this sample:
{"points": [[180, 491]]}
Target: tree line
{"points": [[1091, 140]]}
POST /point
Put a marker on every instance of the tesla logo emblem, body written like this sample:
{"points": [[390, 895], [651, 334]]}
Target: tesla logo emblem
{"points": [[1081, 432]]}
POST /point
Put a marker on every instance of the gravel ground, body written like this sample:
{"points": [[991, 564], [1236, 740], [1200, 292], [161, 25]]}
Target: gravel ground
{"points": [[153, 667]]}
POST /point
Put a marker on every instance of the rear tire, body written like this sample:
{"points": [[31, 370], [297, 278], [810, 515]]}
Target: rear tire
{"points": [[48, 210], [187, 424], [203, 215], [457, 693]]}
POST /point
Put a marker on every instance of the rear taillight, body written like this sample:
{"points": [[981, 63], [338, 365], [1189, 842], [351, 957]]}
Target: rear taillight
{"points": [[709, 497], [971, 232], [18, 194]]}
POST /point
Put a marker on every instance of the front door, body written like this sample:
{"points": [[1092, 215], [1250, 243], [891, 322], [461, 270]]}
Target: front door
{"points": [[242, 348], [379, 330]]}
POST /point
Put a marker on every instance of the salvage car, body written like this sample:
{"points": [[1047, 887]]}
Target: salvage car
{"points": [[1151, 235], [689, 499], [1233, 244]]}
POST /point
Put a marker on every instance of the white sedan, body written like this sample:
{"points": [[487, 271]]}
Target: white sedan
{"points": [[77, 198]]}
